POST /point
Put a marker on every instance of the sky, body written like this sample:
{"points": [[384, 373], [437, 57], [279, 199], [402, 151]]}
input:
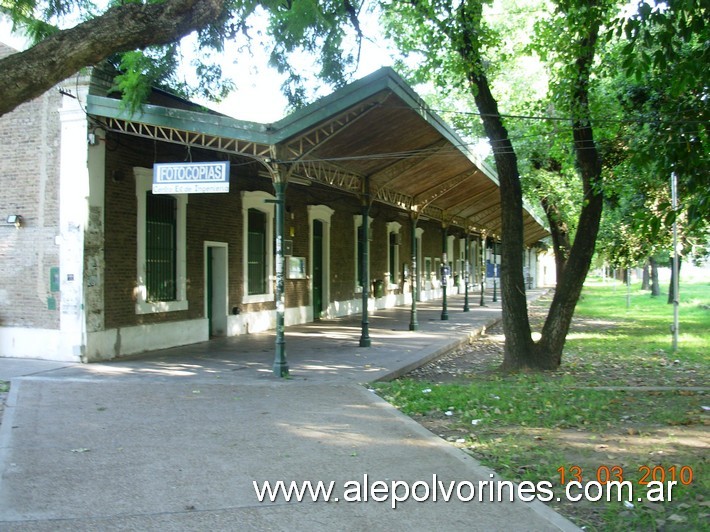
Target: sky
{"points": [[8, 37], [258, 94]]}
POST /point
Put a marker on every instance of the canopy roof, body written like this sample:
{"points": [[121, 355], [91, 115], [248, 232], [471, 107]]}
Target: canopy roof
{"points": [[374, 136]]}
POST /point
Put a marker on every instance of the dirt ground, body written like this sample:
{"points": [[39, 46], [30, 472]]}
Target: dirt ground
{"points": [[628, 442]]}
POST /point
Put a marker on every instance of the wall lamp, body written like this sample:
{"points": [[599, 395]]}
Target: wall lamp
{"points": [[14, 219]]}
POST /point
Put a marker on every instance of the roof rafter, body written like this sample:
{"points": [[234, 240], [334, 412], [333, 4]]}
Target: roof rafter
{"points": [[461, 206], [306, 143], [487, 218], [396, 169], [441, 189]]}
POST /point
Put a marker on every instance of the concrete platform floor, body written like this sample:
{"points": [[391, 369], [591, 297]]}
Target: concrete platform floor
{"points": [[175, 439]]}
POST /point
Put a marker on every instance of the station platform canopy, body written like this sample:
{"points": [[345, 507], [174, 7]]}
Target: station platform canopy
{"points": [[373, 137]]}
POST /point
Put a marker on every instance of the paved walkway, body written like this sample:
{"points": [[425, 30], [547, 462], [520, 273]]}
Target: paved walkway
{"points": [[174, 439]]}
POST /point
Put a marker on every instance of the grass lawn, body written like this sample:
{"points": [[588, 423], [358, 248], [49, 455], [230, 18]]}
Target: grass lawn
{"points": [[622, 405]]}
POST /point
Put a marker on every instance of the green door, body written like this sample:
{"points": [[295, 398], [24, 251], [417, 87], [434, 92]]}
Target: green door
{"points": [[317, 269]]}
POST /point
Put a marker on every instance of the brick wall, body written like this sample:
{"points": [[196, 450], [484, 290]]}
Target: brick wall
{"points": [[296, 229], [29, 179], [218, 218], [210, 217]]}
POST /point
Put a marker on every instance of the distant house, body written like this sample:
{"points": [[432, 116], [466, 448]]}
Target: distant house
{"points": [[115, 240]]}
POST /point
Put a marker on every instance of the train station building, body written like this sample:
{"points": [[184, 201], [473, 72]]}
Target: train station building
{"points": [[128, 232]]}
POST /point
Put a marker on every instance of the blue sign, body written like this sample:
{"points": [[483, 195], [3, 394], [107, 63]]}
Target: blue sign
{"points": [[190, 178], [492, 270]]}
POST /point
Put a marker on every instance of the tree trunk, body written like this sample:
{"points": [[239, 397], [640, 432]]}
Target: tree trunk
{"points": [[655, 287], [516, 326], [569, 287], [520, 351], [130, 26], [646, 278], [519, 347]]}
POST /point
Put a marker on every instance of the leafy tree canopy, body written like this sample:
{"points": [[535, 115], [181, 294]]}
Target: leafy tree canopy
{"points": [[664, 86], [654, 73], [144, 41]]}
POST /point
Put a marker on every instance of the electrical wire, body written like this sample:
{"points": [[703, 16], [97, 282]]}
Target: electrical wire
{"points": [[455, 150], [597, 120]]}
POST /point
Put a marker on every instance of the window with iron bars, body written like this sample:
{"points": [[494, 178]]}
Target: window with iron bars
{"points": [[161, 249]]}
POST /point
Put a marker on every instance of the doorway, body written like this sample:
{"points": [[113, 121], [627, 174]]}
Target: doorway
{"points": [[216, 287], [319, 217], [317, 269]]}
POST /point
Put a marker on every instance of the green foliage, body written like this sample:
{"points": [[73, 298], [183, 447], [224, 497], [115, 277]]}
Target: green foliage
{"points": [[663, 84], [659, 33], [561, 40], [140, 71], [559, 188], [38, 20], [536, 48], [322, 31], [651, 75], [215, 86], [424, 34]]}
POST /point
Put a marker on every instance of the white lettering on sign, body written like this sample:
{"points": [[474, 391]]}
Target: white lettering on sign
{"points": [[190, 178]]}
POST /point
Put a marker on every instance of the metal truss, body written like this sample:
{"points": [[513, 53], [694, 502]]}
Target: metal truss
{"points": [[329, 174], [396, 199], [190, 138]]}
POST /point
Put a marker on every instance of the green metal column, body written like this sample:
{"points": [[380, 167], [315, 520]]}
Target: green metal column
{"points": [[420, 264], [365, 267], [495, 271], [280, 364], [444, 278], [465, 275], [483, 268], [413, 323]]}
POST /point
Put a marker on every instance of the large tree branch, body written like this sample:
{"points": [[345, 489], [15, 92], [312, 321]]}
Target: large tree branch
{"points": [[559, 232], [588, 158], [26, 75]]}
